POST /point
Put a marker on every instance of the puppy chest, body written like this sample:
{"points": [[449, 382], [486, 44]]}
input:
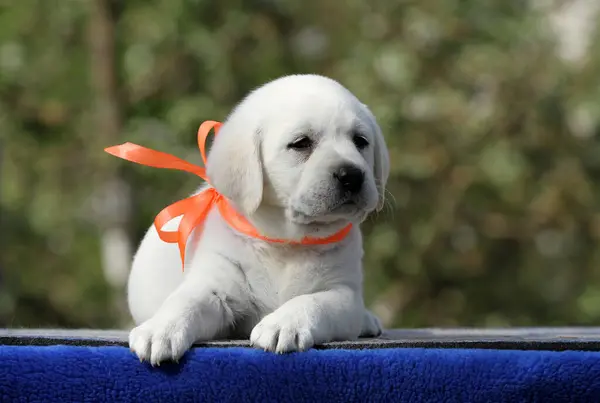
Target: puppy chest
{"points": [[279, 277]]}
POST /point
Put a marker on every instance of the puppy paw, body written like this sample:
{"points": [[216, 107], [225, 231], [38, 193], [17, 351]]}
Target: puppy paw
{"points": [[371, 326], [281, 334], [157, 341]]}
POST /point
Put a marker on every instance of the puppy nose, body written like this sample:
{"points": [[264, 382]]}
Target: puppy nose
{"points": [[350, 177]]}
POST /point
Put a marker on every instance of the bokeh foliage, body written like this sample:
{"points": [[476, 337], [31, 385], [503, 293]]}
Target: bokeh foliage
{"points": [[493, 212]]}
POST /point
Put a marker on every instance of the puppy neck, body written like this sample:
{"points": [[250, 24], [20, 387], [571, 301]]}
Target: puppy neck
{"points": [[272, 222]]}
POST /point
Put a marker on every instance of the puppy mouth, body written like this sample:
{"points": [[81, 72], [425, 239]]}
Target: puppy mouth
{"points": [[302, 219], [344, 210], [345, 204]]}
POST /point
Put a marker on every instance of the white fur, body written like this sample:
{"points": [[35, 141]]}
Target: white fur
{"points": [[284, 297]]}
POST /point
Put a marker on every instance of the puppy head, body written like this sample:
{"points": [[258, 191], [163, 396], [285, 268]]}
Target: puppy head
{"points": [[306, 145]]}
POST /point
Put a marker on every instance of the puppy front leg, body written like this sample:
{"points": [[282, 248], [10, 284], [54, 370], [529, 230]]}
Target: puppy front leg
{"points": [[371, 326], [203, 305], [310, 319]]}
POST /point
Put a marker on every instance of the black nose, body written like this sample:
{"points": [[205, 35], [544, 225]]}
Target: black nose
{"points": [[350, 177]]}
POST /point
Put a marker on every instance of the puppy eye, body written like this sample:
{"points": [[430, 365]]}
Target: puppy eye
{"points": [[301, 143], [360, 141]]}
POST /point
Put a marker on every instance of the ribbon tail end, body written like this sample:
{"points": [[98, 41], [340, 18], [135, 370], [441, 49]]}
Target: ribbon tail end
{"points": [[112, 150]]}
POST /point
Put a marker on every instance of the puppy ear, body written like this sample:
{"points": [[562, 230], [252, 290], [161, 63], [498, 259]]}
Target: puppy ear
{"points": [[234, 165], [381, 166]]}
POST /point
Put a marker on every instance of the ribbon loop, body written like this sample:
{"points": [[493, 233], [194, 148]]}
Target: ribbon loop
{"points": [[203, 131]]}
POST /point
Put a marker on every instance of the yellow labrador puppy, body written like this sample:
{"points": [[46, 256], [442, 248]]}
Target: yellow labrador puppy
{"points": [[300, 156]]}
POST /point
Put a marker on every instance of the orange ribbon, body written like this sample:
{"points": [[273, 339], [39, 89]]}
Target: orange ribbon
{"points": [[195, 209]]}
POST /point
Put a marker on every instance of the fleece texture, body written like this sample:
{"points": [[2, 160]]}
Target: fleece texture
{"points": [[237, 374]]}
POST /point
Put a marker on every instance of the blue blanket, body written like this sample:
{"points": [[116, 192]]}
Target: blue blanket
{"points": [[112, 374]]}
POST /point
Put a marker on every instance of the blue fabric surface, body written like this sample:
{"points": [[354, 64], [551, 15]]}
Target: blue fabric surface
{"points": [[113, 374]]}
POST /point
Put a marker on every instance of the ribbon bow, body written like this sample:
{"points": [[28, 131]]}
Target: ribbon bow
{"points": [[195, 209]]}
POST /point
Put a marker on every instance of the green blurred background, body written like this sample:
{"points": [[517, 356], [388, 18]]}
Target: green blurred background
{"points": [[491, 110]]}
